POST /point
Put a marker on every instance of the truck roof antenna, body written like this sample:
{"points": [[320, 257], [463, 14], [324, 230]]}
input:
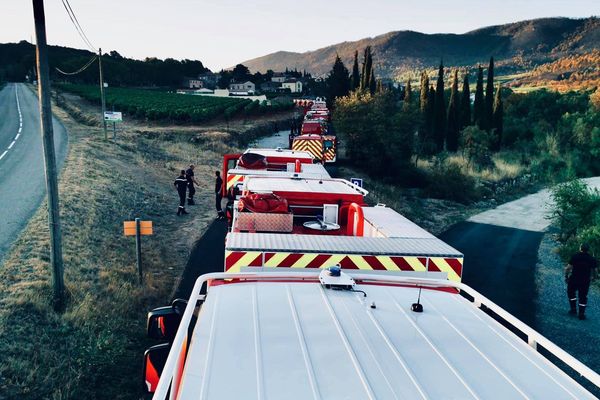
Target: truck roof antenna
{"points": [[417, 307]]}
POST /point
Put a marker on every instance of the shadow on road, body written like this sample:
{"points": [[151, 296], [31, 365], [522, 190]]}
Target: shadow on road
{"points": [[500, 263], [208, 255]]}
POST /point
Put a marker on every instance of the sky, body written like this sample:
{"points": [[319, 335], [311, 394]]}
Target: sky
{"points": [[222, 33]]}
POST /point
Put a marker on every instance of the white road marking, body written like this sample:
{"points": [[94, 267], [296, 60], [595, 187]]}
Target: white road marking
{"points": [[20, 124]]}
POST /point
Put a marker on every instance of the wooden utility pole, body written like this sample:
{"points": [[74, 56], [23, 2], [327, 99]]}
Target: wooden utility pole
{"points": [[103, 100], [56, 260]]}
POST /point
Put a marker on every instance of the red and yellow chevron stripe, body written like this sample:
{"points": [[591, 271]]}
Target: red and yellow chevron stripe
{"points": [[234, 260], [233, 180], [314, 147]]}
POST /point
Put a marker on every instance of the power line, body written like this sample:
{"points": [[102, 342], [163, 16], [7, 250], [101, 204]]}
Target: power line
{"points": [[80, 69], [78, 27]]}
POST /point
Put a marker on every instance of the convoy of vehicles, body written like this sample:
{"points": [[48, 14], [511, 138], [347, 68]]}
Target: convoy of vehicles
{"points": [[324, 296], [316, 136]]}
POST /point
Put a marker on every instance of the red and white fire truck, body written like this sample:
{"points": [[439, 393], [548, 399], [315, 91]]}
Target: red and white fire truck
{"points": [[315, 134], [325, 297], [262, 161]]}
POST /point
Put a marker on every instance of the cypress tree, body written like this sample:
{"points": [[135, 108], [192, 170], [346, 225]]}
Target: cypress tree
{"points": [[498, 117], [424, 94], [365, 80], [367, 72], [439, 116], [429, 144], [489, 96], [453, 116], [478, 105], [407, 96], [372, 83], [465, 104], [355, 73], [338, 81]]}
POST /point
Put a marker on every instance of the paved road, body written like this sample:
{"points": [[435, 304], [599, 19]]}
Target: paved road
{"points": [[501, 248], [22, 182]]}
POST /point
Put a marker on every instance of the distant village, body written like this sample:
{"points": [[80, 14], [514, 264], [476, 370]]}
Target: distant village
{"points": [[256, 87]]}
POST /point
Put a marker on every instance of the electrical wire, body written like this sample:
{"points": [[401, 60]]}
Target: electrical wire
{"points": [[78, 27], [80, 69]]}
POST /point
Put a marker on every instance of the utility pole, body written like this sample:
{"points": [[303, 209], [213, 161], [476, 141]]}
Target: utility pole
{"points": [[56, 260], [103, 100]]}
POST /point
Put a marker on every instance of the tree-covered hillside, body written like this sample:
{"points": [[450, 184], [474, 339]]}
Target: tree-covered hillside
{"points": [[17, 60]]}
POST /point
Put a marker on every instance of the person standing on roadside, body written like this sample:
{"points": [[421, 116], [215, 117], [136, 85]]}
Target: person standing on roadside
{"points": [[191, 180], [219, 195], [578, 275], [181, 184]]}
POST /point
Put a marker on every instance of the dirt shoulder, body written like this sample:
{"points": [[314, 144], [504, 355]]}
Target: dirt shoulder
{"points": [[93, 350]]}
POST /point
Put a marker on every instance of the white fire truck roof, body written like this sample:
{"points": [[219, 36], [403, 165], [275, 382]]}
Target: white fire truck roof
{"points": [[317, 171], [331, 186], [388, 223], [291, 340], [281, 153], [330, 244]]}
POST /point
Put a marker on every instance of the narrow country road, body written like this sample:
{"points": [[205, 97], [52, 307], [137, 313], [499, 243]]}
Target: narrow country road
{"points": [[22, 181], [501, 248]]}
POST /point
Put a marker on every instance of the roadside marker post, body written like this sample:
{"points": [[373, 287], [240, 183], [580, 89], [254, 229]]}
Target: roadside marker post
{"points": [[138, 229]]}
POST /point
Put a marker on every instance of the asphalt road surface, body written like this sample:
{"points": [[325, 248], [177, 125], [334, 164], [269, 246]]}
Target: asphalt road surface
{"points": [[501, 248], [22, 181]]}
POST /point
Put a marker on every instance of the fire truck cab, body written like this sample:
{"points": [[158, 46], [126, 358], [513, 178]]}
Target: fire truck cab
{"points": [[257, 161]]}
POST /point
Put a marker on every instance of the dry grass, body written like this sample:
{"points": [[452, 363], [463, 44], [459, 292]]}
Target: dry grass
{"points": [[505, 167], [94, 349]]}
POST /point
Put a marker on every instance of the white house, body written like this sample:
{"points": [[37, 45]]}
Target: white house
{"points": [[279, 77], [293, 84], [247, 87]]}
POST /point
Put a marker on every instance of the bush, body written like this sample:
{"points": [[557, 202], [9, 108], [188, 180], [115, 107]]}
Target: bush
{"points": [[476, 144], [576, 213], [447, 181]]}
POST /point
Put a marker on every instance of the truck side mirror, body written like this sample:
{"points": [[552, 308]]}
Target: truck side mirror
{"points": [[154, 363], [163, 322]]}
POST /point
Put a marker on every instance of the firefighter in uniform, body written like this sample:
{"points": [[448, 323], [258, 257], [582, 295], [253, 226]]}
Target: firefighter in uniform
{"points": [[578, 275], [219, 195], [181, 184], [189, 174]]}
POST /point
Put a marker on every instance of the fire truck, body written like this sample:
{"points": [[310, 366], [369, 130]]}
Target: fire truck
{"points": [[338, 334], [236, 167], [324, 296], [315, 134]]}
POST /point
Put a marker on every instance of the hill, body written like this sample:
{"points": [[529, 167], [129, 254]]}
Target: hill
{"points": [[522, 43], [18, 60]]}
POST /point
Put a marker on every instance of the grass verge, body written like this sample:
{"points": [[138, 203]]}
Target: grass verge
{"points": [[93, 350]]}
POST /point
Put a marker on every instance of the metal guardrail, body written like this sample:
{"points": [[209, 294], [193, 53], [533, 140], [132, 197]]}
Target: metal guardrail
{"points": [[534, 338]]}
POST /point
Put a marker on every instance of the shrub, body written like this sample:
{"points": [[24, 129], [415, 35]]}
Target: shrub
{"points": [[447, 181]]}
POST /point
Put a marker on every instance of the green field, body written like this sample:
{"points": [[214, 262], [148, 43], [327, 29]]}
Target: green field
{"points": [[157, 105]]}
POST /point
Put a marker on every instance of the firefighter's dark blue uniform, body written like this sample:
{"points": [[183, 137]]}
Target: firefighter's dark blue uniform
{"points": [[578, 283], [181, 184]]}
